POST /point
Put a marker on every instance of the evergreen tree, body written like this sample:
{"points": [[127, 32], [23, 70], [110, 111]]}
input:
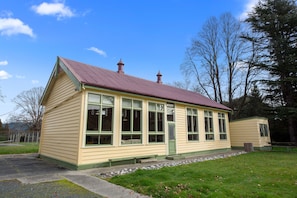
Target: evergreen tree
{"points": [[254, 105], [275, 22]]}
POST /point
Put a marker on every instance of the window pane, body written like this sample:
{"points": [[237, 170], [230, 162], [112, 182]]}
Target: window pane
{"points": [[209, 137], [171, 132], [189, 118], [107, 100], [136, 120], [152, 106], [152, 138], [194, 112], [170, 118], [131, 139], [160, 138], [126, 120], [105, 139], [192, 137], [137, 104], [106, 119], [210, 125], [93, 115], [170, 112], [189, 111], [94, 98], [206, 124], [195, 124], [152, 121], [92, 139], [160, 121], [266, 130], [127, 103], [223, 136], [220, 125], [261, 130], [126, 139], [160, 107], [156, 138], [136, 139]]}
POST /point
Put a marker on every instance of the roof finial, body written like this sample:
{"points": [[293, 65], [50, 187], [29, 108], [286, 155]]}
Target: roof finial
{"points": [[159, 78], [120, 67]]}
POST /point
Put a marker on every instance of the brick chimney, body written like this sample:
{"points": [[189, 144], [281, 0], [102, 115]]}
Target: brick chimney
{"points": [[159, 78], [120, 67]]}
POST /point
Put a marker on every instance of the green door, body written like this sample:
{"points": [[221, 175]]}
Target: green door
{"points": [[171, 136]]}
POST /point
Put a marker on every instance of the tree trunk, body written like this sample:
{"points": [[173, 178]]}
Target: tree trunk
{"points": [[292, 130]]}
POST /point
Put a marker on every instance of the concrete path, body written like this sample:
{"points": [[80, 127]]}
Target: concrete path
{"points": [[29, 169]]}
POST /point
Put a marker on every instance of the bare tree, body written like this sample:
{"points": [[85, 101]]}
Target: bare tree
{"points": [[1, 96], [218, 60], [233, 49], [31, 111], [202, 60]]}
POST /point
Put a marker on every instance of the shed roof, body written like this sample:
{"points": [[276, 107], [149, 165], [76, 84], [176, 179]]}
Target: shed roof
{"points": [[87, 75]]}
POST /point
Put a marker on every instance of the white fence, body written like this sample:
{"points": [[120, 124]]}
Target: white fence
{"points": [[25, 137]]}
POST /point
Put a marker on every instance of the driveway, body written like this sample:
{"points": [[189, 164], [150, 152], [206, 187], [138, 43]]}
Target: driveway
{"points": [[28, 168], [29, 176]]}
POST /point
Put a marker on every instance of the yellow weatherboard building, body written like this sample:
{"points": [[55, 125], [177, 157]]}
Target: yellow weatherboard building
{"points": [[96, 117]]}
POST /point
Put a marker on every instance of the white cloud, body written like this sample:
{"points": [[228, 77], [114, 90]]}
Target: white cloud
{"points": [[53, 9], [248, 7], [35, 81], [20, 77], [13, 26], [4, 75], [98, 51], [4, 62]]}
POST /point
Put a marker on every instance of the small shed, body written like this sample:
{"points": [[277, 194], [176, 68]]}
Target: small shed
{"points": [[253, 130]]}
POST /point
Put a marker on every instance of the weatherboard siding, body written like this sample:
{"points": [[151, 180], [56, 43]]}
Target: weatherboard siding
{"points": [[61, 122], [185, 146], [101, 154], [247, 131]]}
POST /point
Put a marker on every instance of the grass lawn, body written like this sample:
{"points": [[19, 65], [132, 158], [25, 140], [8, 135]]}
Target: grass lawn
{"points": [[19, 148], [257, 174]]}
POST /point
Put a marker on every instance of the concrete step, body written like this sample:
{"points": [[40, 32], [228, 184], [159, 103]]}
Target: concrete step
{"points": [[175, 157]]}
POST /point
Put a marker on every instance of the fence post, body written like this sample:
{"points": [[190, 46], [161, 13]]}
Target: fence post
{"points": [[37, 137]]}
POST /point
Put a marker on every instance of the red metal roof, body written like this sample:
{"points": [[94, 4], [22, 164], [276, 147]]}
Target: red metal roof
{"points": [[99, 77]]}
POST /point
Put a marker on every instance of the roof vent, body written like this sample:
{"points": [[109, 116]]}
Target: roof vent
{"points": [[159, 78], [120, 67]]}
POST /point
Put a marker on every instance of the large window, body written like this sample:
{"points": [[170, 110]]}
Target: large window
{"points": [[156, 122], [263, 130], [100, 120], [131, 121], [208, 124], [170, 112], [222, 126], [192, 123]]}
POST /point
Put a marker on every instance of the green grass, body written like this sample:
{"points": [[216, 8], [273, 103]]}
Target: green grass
{"points": [[285, 148], [20, 148], [257, 174]]}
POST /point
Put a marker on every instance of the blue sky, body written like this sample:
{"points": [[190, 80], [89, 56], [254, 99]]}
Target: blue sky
{"points": [[148, 35]]}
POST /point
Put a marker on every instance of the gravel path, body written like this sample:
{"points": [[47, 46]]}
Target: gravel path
{"points": [[167, 163]]}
